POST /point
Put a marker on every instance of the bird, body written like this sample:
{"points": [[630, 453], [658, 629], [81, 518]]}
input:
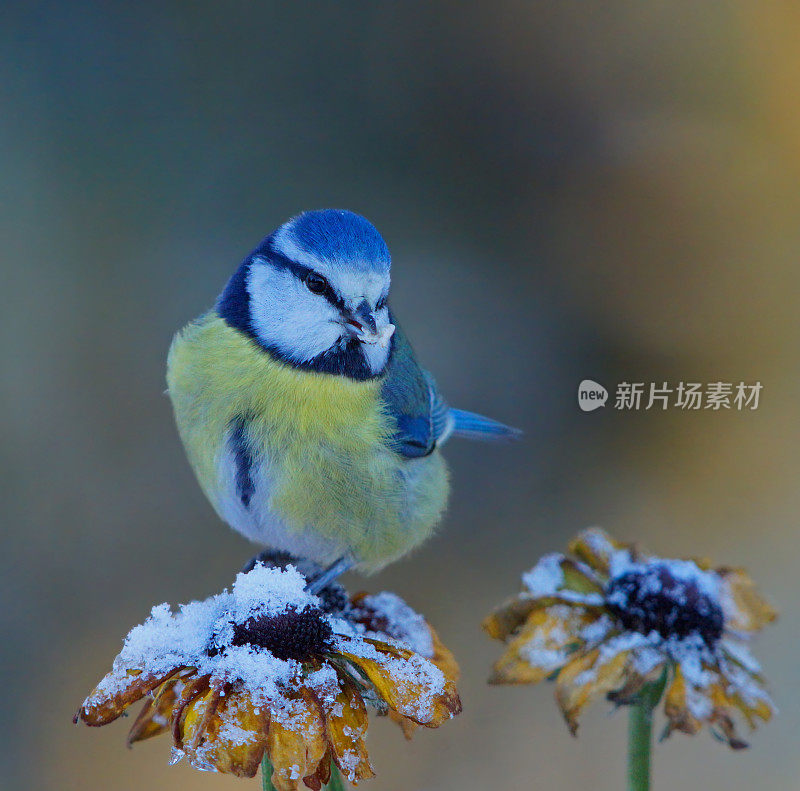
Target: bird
{"points": [[308, 422]]}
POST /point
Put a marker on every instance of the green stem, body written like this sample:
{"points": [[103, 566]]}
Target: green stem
{"points": [[640, 735], [266, 774], [334, 784], [640, 732]]}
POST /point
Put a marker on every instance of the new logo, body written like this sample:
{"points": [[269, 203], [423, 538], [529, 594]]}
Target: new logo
{"points": [[591, 395]]}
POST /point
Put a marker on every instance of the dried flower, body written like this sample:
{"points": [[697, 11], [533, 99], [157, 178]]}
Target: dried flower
{"points": [[611, 619], [269, 668]]}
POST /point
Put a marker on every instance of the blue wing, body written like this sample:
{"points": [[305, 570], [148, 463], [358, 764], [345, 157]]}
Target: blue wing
{"points": [[423, 418], [412, 399]]}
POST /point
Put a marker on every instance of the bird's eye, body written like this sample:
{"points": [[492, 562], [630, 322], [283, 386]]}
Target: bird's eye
{"points": [[315, 283]]}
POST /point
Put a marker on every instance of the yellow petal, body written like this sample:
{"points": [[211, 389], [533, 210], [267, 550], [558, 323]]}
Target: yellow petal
{"points": [[296, 742], [540, 648], [154, 717], [193, 689], [197, 717], [751, 611], [444, 658], [113, 695], [322, 776], [583, 679], [676, 706], [594, 547], [757, 704], [721, 715], [405, 681], [579, 578], [227, 733], [346, 728], [507, 618], [408, 726], [761, 709]]}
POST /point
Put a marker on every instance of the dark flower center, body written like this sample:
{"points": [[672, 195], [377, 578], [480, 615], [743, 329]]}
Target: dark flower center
{"points": [[655, 599], [288, 635]]}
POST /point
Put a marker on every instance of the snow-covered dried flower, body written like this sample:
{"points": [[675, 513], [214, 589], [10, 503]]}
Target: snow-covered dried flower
{"points": [[611, 619], [268, 668]]}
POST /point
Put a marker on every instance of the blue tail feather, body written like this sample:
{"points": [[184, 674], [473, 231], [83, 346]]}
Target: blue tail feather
{"points": [[472, 426]]}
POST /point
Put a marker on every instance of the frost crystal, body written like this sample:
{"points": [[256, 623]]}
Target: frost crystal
{"points": [[546, 577]]}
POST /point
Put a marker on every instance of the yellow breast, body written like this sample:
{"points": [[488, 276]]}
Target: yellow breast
{"points": [[215, 374], [324, 438]]}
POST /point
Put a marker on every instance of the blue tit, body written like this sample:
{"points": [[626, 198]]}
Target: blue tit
{"points": [[309, 423]]}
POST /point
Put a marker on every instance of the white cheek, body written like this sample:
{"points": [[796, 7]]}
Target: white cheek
{"points": [[288, 317]]}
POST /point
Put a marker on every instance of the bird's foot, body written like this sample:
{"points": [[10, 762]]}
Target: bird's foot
{"points": [[330, 574]]}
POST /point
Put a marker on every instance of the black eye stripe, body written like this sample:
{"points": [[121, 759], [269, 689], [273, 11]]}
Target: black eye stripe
{"points": [[301, 272]]}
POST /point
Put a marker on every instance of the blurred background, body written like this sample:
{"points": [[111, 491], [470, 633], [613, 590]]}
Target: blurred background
{"points": [[569, 190]]}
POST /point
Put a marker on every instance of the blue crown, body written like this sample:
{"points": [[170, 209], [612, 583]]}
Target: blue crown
{"points": [[337, 236]]}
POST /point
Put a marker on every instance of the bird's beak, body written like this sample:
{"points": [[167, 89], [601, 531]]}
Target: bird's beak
{"points": [[364, 325]]}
